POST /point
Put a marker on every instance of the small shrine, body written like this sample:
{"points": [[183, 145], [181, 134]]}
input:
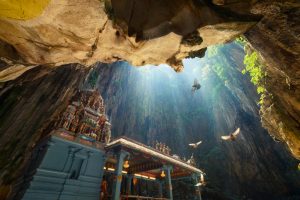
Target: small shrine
{"points": [[85, 117], [130, 160]]}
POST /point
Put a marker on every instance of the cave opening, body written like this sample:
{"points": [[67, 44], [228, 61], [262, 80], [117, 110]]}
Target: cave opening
{"points": [[58, 109], [155, 103]]}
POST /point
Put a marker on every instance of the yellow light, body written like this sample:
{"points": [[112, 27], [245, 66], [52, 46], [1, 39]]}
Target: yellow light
{"points": [[137, 175], [110, 169], [126, 164], [143, 176], [146, 177], [162, 173]]}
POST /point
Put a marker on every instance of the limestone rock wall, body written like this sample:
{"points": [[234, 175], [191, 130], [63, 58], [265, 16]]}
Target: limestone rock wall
{"points": [[277, 38], [157, 104], [29, 106], [70, 31]]}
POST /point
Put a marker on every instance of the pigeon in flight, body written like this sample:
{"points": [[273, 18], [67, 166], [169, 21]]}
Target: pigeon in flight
{"points": [[196, 85], [232, 136], [195, 145], [201, 181]]}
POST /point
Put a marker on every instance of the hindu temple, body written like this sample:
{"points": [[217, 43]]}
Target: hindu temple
{"points": [[149, 99], [79, 160]]}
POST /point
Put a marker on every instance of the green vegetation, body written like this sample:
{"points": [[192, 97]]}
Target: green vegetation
{"points": [[218, 63], [219, 71], [93, 77], [252, 64], [241, 40], [256, 71], [213, 51]]}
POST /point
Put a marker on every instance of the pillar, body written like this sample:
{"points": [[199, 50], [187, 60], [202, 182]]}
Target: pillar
{"points": [[169, 181], [129, 181], [195, 178], [68, 162], [160, 189], [116, 189]]}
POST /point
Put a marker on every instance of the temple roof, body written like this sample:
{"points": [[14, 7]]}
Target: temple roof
{"points": [[152, 154]]}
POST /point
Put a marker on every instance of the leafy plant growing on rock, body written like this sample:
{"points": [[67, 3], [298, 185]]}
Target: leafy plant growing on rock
{"points": [[241, 40], [92, 78], [256, 71]]}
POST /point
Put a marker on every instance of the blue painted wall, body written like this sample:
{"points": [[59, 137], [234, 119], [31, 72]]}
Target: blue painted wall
{"points": [[68, 171]]}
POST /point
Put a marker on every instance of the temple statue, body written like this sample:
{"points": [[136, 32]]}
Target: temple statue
{"points": [[85, 115], [67, 117], [107, 128], [168, 150], [156, 145]]}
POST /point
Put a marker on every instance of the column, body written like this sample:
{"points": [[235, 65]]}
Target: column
{"points": [[116, 189], [85, 162], [129, 181], [68, 162], [195, 179], [160, 191], [169, 181], [102, 162]]}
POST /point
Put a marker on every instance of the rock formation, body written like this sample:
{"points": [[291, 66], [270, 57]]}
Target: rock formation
{"points": [[277, 38], [72, 32], [56, 32], [29, 107], [158, 104]]}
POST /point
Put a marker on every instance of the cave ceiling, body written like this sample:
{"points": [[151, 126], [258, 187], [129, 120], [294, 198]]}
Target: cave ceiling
{"points": [[56, 32], [139, 32]]}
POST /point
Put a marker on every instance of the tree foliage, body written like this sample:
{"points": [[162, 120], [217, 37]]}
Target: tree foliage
{"points": [[92, 78], [256, 71], [219, 69], [241, 40]]}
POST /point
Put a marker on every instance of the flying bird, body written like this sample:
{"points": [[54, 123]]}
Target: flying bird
{"points": [[196, 85], [201, 181], [195, 145], [232, 136]]}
